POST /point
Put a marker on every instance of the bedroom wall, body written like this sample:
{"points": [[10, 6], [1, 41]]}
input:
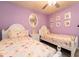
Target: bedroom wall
{"points": [[73, 29], [11, 14]]}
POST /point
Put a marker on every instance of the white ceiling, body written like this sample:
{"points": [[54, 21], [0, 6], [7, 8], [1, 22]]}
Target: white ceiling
{"points": [[38, 5]]}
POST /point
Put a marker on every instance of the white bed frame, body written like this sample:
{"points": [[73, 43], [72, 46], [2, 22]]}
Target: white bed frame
{"points": [[4, 36], [74, 43]]}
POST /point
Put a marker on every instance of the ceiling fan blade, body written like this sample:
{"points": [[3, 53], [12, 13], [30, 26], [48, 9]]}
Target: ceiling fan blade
{"points": [[44, 6], [57, 5]]}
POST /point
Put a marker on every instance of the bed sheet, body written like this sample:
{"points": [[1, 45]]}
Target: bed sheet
{"points": [[60, 39], [25, 47]]}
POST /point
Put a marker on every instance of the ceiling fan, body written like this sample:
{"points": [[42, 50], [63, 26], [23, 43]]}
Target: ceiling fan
{"points": [[56, 4]]}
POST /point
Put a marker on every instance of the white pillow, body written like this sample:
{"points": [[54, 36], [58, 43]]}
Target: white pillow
{"points": [[17, 34], [14, 31], [44, 30], [17, 31]]}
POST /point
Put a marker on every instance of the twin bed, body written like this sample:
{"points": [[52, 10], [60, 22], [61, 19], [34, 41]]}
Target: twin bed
{"points": [[69, 42], [17, 43]]}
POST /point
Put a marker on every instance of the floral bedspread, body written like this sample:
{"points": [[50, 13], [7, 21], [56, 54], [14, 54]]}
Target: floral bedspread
{"points": [[25, 47], [62, 40]]}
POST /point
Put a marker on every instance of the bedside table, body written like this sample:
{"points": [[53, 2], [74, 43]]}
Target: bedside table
{"points": [[35, 36]]}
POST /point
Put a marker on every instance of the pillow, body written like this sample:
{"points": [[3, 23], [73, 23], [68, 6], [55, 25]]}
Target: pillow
{"points": [[44, 30], [17, 31]]}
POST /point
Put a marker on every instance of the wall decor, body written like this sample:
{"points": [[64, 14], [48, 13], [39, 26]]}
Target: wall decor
{"points": [[58, 18], [67, 15], [67, 23], [33, 20], [58, 24]]}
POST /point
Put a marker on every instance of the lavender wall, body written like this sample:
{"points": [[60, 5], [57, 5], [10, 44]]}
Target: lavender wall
{"points": [[73, 29], [10, 14]]}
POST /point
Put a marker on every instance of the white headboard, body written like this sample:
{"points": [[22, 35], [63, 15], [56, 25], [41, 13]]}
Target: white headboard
{"points": [[14, 27], [43, 30]]}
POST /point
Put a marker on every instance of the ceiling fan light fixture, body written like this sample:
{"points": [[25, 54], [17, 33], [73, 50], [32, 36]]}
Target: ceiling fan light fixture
{"points": [[51, 2]]}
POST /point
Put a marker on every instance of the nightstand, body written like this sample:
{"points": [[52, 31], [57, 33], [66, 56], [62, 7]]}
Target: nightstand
{"points": [[35, 36]]}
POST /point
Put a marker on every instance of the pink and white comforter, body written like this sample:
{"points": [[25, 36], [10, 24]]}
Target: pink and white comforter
{"points": [[24, 47], [62, 40]]}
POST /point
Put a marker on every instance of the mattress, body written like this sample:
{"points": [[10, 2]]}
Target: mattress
{"points": [[25, 47], [64, 40]]}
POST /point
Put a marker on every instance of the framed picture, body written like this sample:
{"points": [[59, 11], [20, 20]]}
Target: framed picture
{"points": [[58, 24], [67, 15], [33, 20], [67, 23], [58, 18]]}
